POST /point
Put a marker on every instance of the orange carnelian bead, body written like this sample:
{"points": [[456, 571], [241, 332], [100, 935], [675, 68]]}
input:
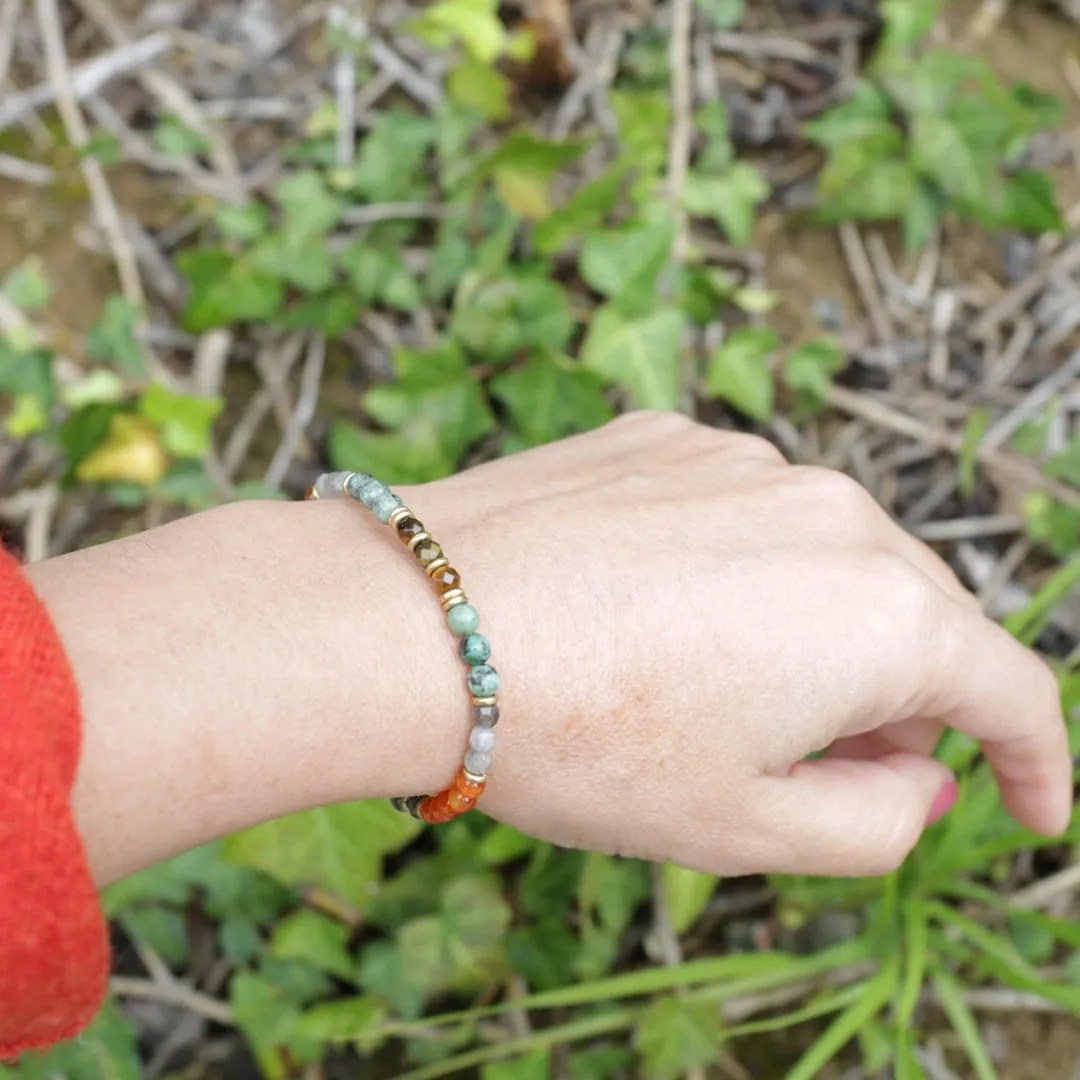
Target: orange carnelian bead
{"points": [[459, 802], [470, 788]]}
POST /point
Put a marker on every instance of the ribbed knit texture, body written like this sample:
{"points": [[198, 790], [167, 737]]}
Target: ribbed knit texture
{"points": [[53, 944]]}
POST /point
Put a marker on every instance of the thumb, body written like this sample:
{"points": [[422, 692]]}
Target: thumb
{"points": [[854, 818]]}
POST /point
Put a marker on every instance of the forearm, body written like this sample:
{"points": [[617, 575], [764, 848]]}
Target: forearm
{"points": [[246, 663]]}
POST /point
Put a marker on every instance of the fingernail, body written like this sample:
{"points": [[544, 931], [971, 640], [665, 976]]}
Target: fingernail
{"points": [[944, 802]]}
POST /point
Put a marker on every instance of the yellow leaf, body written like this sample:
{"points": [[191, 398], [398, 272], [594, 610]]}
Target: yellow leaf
{"points": [[130, 454], [524, 193]]}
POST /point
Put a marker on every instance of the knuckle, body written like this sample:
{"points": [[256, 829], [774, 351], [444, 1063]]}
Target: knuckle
{"points": [[660, 420], [756, 447], [835, 492]]}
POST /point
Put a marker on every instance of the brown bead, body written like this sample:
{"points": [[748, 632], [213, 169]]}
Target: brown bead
{"points": [[427, 551], [408, 527], [446, 578]]}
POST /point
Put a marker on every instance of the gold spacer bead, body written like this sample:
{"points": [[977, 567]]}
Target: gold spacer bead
{"points": [[397, 515], [453, 598], [475, 778], [418, 539], [311, 494], [485, 700], [438, 564]]}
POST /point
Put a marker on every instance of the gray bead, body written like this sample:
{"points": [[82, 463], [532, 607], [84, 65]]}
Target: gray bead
{"points": [[331, 485], [482, 740], [477, 763], [485, 715]]}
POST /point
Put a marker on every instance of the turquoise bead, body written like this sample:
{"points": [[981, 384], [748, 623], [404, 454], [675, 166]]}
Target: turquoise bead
{"points": [[363, 487], [475, 649], [463, 619], [483, 681], [384, 505]]}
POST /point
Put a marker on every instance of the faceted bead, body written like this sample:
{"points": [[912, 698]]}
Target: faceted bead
{"points": [[459, 802], [483, 680], [426, 552], [384, 505], [477, 762], [463, 619], [475, 649], [485, 715], [467, 786], [482, 740], [408, 527], [364, 488], [433, 809], [330, 485], [446, 578]]}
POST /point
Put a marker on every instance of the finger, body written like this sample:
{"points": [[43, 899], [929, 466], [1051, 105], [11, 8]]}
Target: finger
{"points": [[849, 818], [984, 683], [919, 735]]}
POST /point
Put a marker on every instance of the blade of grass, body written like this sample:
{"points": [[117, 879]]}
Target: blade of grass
{"points": [[1028, 624], [915, 935], [907, 1065], [963, 1022], [846, 1026], [829, 1003]]}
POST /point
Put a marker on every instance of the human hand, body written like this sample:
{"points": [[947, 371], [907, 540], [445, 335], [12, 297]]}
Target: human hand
{"points": [[680, 618]]}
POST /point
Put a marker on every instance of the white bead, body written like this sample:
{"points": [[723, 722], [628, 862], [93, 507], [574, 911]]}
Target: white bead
{"points": [[331, 485], [482, 740]]}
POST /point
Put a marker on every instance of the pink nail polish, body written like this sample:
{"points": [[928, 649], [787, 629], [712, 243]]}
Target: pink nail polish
{"points": [[944, 802]]}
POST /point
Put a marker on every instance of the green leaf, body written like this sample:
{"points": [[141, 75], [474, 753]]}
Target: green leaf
{"points": [[522, 168], [627, 261], [739, 371], [392, 159], [476, 85], [725, 14], [300, 259], [338, 848], [531, 1066], [964, 1024], [249, 221], [884, 191], [1030, 204], [26, 286], [310, 208], [315, 939], [105, 1051], [731, 200], [940, 152], [174, 139], [380, 276], [643, 354], [269, 1020], [674, 1036], [351, 1019], [547, 399], [688, 894], [113, 339], [331, 313], [415, 456], [583, 212], [867, 113], [225, 290], [498, 317], [185, 421], [28, 374], [610, 891], [907, 22], [544, 953], [809, 369], [475, 23]]}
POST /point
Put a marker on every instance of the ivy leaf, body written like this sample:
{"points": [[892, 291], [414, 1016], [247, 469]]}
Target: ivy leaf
{"points": [[176, 140], [249, 221], [522, 169], [225, 290], [332, 313], [907, 22], [1030, 204], [731, 200], [113, 339], [131, 453], [414, 456], [315, 939], [28, 374], [353, 1020], [547, 399], [674, 1036], [739, 372], [309, 207], [725, 14], [107, 1050], [391, 163], [269, 1020], [940, 152], [497, 317], [641, 354], [584, 211], [885, 191], [381, 276], [27, 286], [688, 894], [475, 23], [622, 261], [476, 85], [809, 369], [609, 892], [865, 114], [337, 848], [184, 420]]}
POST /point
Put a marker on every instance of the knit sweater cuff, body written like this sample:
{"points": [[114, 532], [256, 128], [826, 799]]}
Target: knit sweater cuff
{"points": [[53, 940]]}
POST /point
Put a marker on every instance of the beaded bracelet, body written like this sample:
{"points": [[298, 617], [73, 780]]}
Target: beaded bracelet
{"points": [[463, 620]]}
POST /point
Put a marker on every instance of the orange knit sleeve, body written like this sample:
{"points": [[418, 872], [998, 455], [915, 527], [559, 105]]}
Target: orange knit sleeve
{"points": [[53, 943]]}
